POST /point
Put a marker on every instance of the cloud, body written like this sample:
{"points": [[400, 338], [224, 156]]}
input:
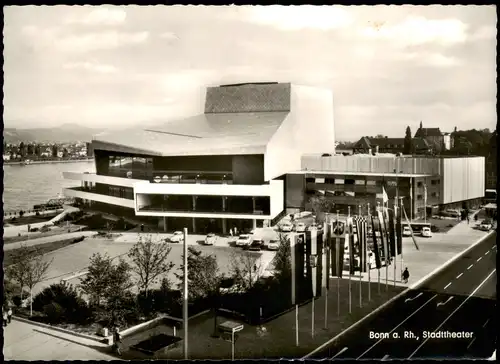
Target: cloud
{"points": [[168, 35], [97, 41], [100, 16], [485, 33], [91, 66], [300, 17], [417, 30]]}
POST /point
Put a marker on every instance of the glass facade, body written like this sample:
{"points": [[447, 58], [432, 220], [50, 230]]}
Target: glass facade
{"points": [[259, 205], [130, 167]]}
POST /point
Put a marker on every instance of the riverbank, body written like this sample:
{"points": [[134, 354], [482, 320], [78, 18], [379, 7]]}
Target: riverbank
{"points": [[49, 162]]}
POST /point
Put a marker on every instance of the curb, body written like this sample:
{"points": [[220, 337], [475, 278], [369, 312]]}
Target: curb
{"points": [[55, 328], [414, 286]]}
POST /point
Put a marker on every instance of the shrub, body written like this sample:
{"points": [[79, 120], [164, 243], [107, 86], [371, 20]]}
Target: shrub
{"points": [[74, 308], [37, 213], [21, 213], [44, 229], [16, 300], [77, 240], [54, 312]]}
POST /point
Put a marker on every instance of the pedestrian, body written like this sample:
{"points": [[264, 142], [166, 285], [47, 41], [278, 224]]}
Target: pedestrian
{"points": [[4, 317], [468, 219], [231, 231], [9, 315], [475, 217], [117, 341], [406, 275]]}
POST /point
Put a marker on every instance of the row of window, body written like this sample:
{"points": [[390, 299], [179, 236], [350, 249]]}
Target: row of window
{"points": [[433, 182], [350, 181], [121, 192], [433, 194]]}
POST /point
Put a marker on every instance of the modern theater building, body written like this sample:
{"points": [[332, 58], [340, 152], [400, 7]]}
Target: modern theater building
{"points": [[256, 153]]}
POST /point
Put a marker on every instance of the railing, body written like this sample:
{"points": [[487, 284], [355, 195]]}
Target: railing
{"points": [[15, 213], [192, 177], [96, 191]]}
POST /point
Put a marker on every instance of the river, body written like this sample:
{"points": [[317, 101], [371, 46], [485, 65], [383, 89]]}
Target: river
{"points": [[25, 186]]}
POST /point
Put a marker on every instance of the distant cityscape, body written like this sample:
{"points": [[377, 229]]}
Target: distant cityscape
{"points": [[33, 151]]}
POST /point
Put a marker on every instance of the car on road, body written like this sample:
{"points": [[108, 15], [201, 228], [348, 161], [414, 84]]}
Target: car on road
{"points": [[273, 244], [426, 232], [486, 225], [211, 239], [256, 245], [177, 237], [406, 231], [286, 227], [300, 227], [244, 240]]}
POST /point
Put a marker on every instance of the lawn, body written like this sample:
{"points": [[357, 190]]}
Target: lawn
{"points": [[75, 258], [30, 219], [444, 225]]}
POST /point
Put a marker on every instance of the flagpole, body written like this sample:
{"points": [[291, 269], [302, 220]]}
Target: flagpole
{"points": [[361, 258], [326, 252], [369, 265], [337, 256], [401, 252], [351, 264], [378, 209], [395, 237]]}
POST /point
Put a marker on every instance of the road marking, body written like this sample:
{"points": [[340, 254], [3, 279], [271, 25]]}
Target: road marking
{"points": [[486, 322], [340, 352], [386, 356], [444, 303], [486, 252], [470, 266], [468, 346], [478, 259], [411, 299], [447, 285], [406, 319], [459, 275], [458, 308]]}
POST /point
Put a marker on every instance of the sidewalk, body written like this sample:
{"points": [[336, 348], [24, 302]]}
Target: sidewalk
{"points": [[14, 230], [23, 341], [434, 252]]}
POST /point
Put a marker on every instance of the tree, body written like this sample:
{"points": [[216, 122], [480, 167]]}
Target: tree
{"points": [[282, 262], [17, 271], [149, 261], [408, 147], [246, 269], [380, 136], [22, 150], [30, 149], [37, 150], [65, 153], [36, 270], [98, 279], [321, 205], [203, 274], [420, 124], [54, 151]]}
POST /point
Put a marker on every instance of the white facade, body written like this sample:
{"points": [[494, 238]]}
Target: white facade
{"points": [[446, 141], [462, 179]]}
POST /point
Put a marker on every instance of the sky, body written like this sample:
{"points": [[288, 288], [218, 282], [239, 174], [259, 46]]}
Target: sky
{"points": [[116, 67]]}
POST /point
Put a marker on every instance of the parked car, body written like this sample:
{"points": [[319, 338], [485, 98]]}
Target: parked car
{"points": [[426, 232], [315, 226], [300, 227], [406, 231], [244, 240], [286, 227], [211, 239], [177, 237], [256, 245], [486, 225], [273, 244]]}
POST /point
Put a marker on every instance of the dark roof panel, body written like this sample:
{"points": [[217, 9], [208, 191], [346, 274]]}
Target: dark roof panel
{"points": [[253, 97], [423, 132]]}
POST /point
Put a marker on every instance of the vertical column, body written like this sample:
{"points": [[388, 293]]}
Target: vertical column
{"points": [[224, 222], [194, 209], [253, 204], [254, 224], [164, 224]]}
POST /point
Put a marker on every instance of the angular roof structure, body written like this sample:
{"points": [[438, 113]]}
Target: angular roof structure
{"points": [[205, 134]]}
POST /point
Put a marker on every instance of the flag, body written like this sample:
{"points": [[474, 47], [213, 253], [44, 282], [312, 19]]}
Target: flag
{"points": [[313, 239], [326, 255], [361, 229], [392, 234], [411, 191], [399, 232], [385, 198], [351, 254], [339, 236], [297, 263], [425, 196], [383, 235], [332, 243], [376, 248]]}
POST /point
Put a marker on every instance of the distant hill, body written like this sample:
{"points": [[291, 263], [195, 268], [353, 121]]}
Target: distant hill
{"points": [[60, 134]]}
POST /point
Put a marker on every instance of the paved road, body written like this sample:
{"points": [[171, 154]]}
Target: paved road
{"points": [[459, 300]]}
